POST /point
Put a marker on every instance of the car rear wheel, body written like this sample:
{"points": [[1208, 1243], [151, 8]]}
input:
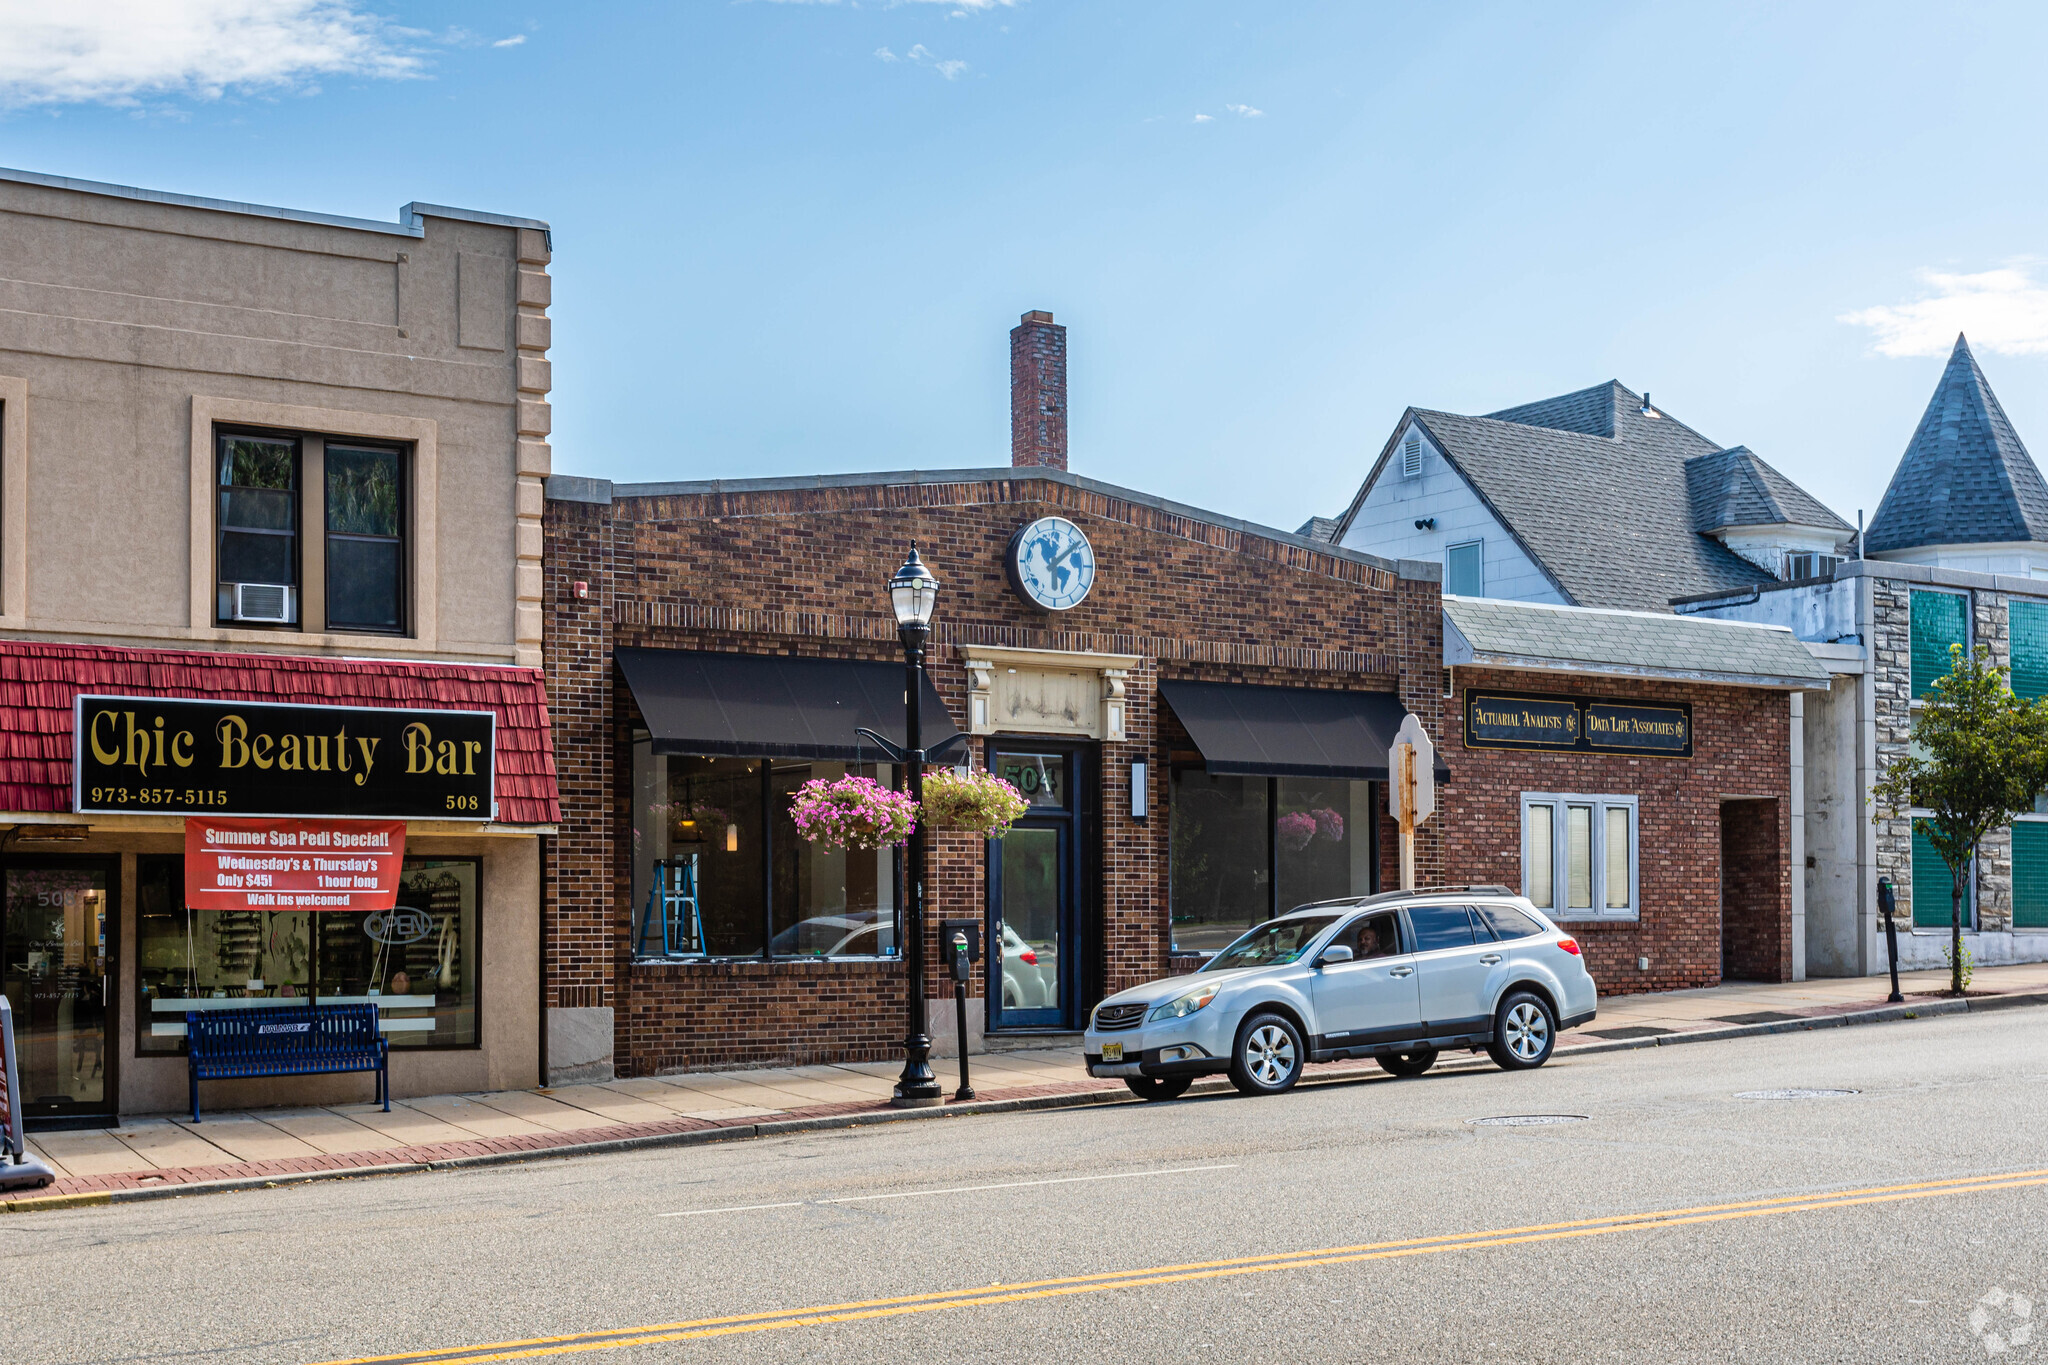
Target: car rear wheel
{"points": [[1159, 1087], [1524, 1032], [1407, 1063], [1268, 1056]]}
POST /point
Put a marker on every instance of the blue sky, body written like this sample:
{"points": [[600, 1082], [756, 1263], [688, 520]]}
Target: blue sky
{"points": [[792, 237]]}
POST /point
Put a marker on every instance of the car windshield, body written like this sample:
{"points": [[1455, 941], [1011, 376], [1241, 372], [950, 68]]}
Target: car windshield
{"points": [[1272, 943]]}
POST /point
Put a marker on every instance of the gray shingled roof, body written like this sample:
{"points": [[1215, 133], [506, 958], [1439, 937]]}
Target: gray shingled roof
{"points": [[1322, 529], [1598, 492], [1735, 488], [1965, 478], [1531, 635]]}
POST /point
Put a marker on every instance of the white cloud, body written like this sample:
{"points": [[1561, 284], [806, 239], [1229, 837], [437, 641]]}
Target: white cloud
{"points": [[514, 41], [115, 51], [920, 55], [1245, 111], [886, 55], [951, 70], [2005, 311], [1203, 118]]}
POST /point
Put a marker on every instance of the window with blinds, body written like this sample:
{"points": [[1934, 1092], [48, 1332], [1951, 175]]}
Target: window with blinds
{"points": [[1579, 855], [1933, 885], [2030, 874]]}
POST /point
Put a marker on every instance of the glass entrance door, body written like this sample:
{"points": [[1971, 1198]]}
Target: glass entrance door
{"points": [[53, 966], [1033, 895]]}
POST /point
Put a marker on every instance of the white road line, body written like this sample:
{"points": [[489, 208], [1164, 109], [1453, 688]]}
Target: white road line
{"points": [[955, 1189]]}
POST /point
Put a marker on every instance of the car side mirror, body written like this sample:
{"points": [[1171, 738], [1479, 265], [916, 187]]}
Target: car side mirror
{"points": [[1336, 952]]}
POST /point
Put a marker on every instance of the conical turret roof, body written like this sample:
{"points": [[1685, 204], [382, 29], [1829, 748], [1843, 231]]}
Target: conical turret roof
{"points": [[1965, 478]]}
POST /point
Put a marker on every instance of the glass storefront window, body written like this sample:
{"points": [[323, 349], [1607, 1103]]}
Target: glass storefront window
{"points": [[1321, 832], [416, 962], [1216, 838], [702, 821], [835, 902], [1243, 849]]}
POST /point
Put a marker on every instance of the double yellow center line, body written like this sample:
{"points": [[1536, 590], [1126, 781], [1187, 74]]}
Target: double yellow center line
{"points": [[862, 1310]]}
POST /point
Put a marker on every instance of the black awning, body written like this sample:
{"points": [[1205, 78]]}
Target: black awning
{"points": [[774, 706], [1288, 731]]}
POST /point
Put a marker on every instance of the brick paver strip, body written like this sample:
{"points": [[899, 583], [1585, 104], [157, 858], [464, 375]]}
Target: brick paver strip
{"points": [[621, 1136]]}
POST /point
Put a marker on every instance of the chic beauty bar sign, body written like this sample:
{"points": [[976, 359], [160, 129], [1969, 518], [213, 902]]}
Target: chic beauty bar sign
{"points": [[171, 756], [1526, 720]]}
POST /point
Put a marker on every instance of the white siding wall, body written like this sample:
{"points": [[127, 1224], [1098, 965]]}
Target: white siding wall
{"points": [[2021, 561], [1385, 525]]}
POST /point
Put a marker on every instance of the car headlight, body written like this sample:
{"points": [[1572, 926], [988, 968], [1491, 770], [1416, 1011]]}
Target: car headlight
{"points": [[1185, 1005]]}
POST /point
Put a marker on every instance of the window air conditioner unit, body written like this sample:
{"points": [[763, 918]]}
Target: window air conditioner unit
{"points": [[267, 602]]}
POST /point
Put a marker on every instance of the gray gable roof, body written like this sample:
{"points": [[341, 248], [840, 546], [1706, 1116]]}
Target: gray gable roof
{"points": [[1735, 488], [1531, 635], [1965, 478]]}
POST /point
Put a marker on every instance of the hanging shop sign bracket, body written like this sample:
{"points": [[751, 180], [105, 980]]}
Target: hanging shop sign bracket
{"points": [[175, 756], [1413, 760], [936, 756]]}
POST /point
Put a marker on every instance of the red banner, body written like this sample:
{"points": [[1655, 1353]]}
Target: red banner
{"points": [[292, 864]]}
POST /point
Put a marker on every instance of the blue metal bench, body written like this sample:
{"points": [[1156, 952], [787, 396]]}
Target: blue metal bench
{"points": [[305, 1040]]}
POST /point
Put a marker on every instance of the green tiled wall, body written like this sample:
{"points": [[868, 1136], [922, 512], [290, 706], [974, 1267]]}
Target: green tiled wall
{"points": [[2029, 622], [1931, 885], [1940, 619], [2030, 875]]}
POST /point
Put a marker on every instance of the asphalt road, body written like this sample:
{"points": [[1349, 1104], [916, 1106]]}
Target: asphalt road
{"points": [[1369, 1221]]}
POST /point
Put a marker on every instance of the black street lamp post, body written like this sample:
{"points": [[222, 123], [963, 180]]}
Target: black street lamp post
{"points": [[911, 593]]}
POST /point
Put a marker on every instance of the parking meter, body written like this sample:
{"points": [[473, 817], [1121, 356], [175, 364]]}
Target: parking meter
{"points": [[962, 940], [1888, 906]]}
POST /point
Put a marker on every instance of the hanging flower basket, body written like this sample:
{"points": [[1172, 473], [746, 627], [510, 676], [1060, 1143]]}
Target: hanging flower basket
{"points": [[978, 802], [1295, 830], [852, 812]]}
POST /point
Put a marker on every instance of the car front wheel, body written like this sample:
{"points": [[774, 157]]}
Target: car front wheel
{"points": [[1159, 1087], [1524, 1032], [1268, 1057], [1407, 1063]]}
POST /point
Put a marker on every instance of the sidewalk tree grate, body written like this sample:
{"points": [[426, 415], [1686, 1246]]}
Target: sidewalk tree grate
{"points": [[1527, 1120], [1795, 1094]]}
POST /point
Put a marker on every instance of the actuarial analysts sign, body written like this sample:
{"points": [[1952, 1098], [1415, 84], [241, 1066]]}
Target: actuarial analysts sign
{"points": [[160, 755], [292, 864]]}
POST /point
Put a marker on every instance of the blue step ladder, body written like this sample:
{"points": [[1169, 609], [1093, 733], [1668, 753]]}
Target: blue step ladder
{"points": [[671, 912]]}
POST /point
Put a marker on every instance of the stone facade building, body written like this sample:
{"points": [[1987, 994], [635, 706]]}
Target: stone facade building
{"points": [[1957, 555]]}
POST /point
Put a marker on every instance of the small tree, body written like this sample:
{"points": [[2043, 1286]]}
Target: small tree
{"points": [[1980, 756]]}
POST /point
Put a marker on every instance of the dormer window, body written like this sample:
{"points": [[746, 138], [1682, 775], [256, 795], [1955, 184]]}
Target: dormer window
{"points": [[1806, 564], [1411, 457]]}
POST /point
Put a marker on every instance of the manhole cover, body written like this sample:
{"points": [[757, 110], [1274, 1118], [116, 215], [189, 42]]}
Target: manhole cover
{"points": [[1527, 1120], [1793, 1094]]}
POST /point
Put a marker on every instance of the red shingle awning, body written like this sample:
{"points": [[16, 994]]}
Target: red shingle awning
{"points": [[38, 681]]}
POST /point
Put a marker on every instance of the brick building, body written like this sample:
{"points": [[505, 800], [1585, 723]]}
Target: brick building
{"points": [[1637, 776], [1198, 709]]}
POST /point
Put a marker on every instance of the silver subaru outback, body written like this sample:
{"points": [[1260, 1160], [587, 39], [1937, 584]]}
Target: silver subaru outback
{"points": [[1397, 977]]}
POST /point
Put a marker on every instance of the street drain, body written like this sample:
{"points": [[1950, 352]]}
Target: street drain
{"points": [[1794, 1094], [1527, 1120]]}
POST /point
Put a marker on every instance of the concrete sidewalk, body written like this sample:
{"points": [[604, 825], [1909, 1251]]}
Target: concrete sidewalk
{"points": [[146, 1156]]}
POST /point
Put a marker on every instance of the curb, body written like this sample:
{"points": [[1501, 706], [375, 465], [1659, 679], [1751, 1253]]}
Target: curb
{"points": [[1027, 1104]]}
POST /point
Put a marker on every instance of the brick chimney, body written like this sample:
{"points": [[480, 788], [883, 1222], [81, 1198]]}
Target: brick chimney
{"points": [[1038, 392]]}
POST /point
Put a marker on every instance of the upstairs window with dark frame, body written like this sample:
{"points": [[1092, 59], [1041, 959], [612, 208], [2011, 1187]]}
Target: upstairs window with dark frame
{"points": [[365, 513], [257, 547]]}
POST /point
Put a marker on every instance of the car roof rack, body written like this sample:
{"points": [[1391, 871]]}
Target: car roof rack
{"points": [[1382, 897]]}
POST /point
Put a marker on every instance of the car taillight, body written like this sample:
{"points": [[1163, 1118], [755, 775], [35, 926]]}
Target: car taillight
{"points": [[1032, 957], [1570, 945]]}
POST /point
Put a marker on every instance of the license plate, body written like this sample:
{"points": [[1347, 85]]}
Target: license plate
{"points": [[1112, 1052]]}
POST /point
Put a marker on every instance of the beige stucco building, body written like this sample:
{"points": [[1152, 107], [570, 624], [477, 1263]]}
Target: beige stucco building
{"points": [[252, 457]]}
